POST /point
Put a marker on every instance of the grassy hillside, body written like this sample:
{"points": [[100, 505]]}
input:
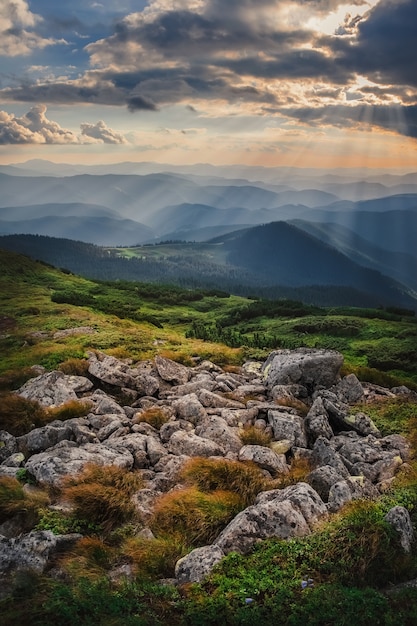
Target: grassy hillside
{"points": [[138, 320], [337, 576]]}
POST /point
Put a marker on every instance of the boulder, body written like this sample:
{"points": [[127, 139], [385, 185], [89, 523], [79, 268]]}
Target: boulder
{"points": [[32, 551], [317, 422], [183, 443], [197, 564], [54, 388], [349, 389], [400, 520], [265, 458], [171, 371], [352, 488], [283, 513], [322, 479], [40, 439], [288, 426], [189, 408], [216, 429], [258, 522], [66, 458], [309, 367], [8, 445]]}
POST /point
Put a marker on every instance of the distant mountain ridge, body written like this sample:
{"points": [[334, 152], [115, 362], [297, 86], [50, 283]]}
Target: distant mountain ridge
{"points": [[144, 203], [276, 259]]}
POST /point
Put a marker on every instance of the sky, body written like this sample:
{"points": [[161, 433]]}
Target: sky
{"points": [[306, 83]]}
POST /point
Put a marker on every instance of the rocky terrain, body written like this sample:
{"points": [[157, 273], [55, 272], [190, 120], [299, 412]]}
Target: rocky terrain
{"points": [[298, 397]]}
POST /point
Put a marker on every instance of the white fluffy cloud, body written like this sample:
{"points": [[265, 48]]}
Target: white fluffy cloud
{"points": [[17, 22], [102, 133], [35, 128]]}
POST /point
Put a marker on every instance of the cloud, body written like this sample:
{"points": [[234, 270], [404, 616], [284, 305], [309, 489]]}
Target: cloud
{"points": [[392, 117], [102, 133], [17, 22], [264, 56], [35, 128]]}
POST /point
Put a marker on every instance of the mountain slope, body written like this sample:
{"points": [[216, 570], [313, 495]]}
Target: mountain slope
{"points": [[397, 265], [103, 231]]}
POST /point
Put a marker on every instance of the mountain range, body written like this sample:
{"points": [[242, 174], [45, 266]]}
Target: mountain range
{"points": [[292, 229]]}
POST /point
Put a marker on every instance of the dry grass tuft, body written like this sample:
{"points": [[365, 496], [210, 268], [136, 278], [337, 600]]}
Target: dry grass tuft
{"points": [[102, 494], [245, 480], [195, 518], [68, 410], [18, 415], [155, 416], [14, 500], [299, 469], [74, 367], [301, 408], [154, 558], [252, 436], [90, 558]]}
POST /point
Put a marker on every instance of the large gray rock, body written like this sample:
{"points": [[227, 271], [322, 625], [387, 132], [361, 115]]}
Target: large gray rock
{"points": [[171, 371], [349, 389], [40, 439], [189, 408], [54, 388], [197, 564], [265, 458], [32, 551], [322, 479], [399, 518], [216, 429], [66, 458], [317, 422], [8, 445], [110, 370], [283, 513], [255, 523], [288, 426], [183, 443], [309, 367], [214, 400], [352, 488]]}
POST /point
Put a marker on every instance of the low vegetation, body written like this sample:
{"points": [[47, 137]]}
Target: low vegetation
{"points": [[341, 574]]}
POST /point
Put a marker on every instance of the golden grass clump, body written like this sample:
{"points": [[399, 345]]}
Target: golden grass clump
{"points": [[74, 367], [154, 558], [90, 558], [194, 518], [102, 494], [19, 415], [298, 471], [68, 410], [155, 416], [245, 480], [301, 408], [15, 500], [252, 436]]}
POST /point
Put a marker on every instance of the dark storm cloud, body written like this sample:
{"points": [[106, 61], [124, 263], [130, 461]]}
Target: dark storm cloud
{"points": [[395, 118], [385, 46], [71, 92]]}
